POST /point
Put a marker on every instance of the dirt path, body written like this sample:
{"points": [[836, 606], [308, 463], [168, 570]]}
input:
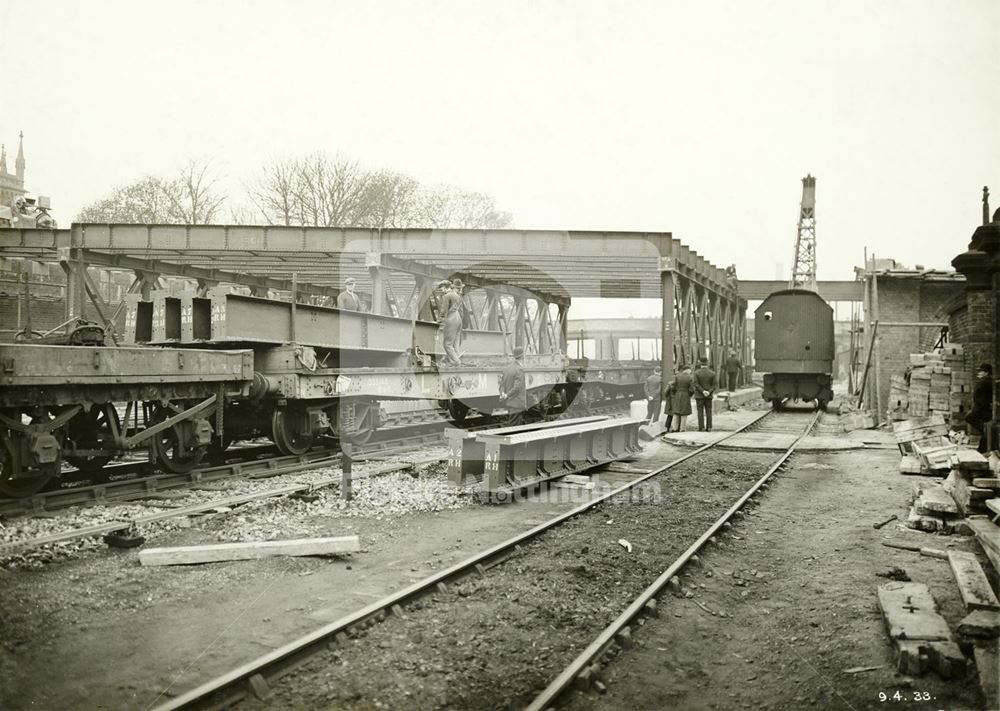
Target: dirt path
{"points": [[796, 582]]}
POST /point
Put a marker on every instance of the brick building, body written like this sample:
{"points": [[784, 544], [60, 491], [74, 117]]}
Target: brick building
{"points": [[907, 311]]}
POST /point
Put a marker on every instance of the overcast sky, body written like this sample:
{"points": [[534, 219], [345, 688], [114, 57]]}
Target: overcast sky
{"points": [[697, 118]]}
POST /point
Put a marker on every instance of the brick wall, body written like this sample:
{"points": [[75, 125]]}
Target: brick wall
{"points": [[972, 326], [903, 300]]}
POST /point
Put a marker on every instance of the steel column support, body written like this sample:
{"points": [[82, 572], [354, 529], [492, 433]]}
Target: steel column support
{"points": [[563, 329], [667, 330]]}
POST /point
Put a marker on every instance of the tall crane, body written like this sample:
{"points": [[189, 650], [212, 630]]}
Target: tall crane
{"points": [[804, 265]]}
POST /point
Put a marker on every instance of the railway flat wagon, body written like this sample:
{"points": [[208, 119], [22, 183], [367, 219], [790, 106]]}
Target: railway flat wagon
{"points": [[60, 403], [794, 348]]}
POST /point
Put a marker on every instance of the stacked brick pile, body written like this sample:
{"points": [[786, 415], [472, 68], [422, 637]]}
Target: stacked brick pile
{"points": [[938, 385]]}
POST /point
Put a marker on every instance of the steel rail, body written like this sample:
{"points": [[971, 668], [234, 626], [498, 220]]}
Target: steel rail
{"points": [[124, 490], [596, 648], [232, 686]]}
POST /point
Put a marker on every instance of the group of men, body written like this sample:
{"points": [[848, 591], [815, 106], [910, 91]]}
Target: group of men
{"points": [[701, 385]]}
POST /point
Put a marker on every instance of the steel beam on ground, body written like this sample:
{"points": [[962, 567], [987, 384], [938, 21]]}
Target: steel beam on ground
{"points": [[467, 454], [526, 458]]}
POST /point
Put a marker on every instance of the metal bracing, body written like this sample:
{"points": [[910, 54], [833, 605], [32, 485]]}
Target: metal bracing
{"points": [[546, 265], [699, 316], [804, 262]]}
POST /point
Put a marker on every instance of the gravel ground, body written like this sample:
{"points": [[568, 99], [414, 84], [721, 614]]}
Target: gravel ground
{"points": [[387, 495], [494, 642]]}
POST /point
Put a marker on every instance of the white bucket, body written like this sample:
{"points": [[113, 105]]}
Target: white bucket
{"points": [[637, 409]]}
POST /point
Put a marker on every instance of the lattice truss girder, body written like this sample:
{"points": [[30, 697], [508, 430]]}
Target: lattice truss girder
{"points": [[702, 323]]}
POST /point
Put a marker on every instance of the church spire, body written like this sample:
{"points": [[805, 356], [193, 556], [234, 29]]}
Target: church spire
{"points": [[3, 159], [19, 162]]}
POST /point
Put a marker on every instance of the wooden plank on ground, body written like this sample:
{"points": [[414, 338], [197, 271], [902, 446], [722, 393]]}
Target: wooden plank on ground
{"points": [[986, 664], [980, 623], [910, 612], [969, 460], [921, 636], [935, 500], [986, 483], [988, 536], [911, 465], [972, 583], [187, 555]]}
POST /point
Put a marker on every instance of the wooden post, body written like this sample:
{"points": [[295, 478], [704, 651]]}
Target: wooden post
{"points": [[877, 413], [346, 490]]}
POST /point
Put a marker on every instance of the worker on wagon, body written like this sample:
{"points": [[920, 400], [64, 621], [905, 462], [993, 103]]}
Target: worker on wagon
{"points": [[732, 366], [704, 391], [459, 288], [347, 300], [513, 393], [982, 404], [681, 389], [654, 394], [450, 319]]}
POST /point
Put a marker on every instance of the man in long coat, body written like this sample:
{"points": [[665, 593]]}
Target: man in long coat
{"points": [[704, 391], [681, 389]]}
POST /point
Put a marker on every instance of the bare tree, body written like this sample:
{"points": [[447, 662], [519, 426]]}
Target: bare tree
{"points": [[190, 198], [451, 207], [273, 192], [193, 197], [334, 191], [244, 215], [143, 201], [391, 200]]}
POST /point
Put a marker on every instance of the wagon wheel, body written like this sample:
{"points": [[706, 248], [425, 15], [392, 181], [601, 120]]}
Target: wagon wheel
{"points": [[93, 430], [357, 422], [15, 479], [174, 449], [290, 430], [457, 411]]}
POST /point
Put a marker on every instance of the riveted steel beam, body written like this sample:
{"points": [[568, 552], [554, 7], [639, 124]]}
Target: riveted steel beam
{"points": [[518, 460]]}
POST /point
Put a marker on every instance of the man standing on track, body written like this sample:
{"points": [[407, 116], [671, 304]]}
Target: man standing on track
{"points": [[654, 392], [449, 305], [733, 366], [513, 393], [704, 392]]}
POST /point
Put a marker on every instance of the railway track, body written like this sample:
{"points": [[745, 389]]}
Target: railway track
{"points": [[253, 461], [522, 564]]}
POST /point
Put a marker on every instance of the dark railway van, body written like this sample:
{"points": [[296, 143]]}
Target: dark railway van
{"points": [[793, 344]]}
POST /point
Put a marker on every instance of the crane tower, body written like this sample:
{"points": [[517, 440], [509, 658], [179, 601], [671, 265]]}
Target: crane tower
{"points": [[804, 264]]}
